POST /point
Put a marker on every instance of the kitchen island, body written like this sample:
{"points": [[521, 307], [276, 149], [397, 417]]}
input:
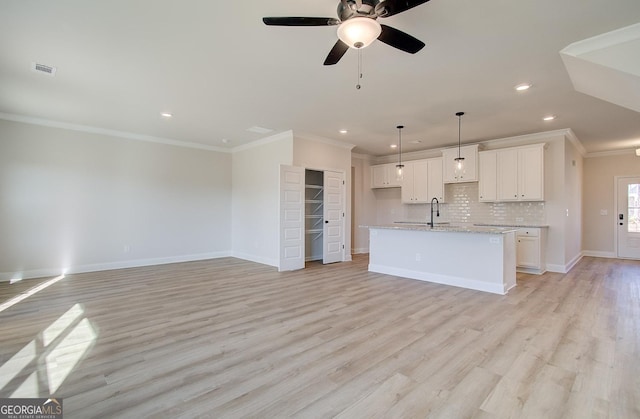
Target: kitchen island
{"points": [[476, 257]]}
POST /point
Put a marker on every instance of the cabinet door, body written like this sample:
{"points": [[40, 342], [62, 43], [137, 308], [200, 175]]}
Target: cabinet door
{"points": [[406, 192], [528, 252], [507, 172], [392, 176], [435, 185], [420, 182], [378, 176], [487, 162], [470, 154], [531, 174], [448, 156]]}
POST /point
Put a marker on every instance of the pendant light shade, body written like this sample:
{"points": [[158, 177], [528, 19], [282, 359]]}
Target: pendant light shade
{"points": [[400, 166], [359, 32], [459, 168]]}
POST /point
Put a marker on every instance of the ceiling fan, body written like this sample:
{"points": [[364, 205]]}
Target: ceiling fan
{"points": [[358, 26]]}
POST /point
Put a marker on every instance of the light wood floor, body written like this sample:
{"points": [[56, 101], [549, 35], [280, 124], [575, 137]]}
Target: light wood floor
{"points": [[232, 339]]}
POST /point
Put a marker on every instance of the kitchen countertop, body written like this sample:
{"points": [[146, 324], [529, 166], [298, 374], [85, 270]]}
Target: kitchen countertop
{"points": [[447, 228], [519, 225]]}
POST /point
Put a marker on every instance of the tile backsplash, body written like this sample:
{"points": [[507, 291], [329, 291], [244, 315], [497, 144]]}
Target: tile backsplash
{"points": [[463, 207]]}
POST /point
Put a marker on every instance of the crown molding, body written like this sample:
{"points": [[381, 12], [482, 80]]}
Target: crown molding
{"points": [[108, 132], [270, 139], [625, 152], [324, 140]]}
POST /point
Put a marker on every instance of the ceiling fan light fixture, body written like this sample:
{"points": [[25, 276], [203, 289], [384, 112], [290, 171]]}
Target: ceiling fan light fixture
{"points": [[359, 32]]}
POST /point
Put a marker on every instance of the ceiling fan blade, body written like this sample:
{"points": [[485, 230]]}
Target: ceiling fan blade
{"points": [[398, 39], [300, 21], [388, 8], [336, 53]]}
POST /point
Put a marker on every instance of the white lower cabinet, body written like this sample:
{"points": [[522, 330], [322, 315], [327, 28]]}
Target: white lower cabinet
{"points": [[530, 250]]}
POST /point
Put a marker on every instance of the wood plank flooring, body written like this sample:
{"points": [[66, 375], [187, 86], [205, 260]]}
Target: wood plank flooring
{"points": [[228, 338]]}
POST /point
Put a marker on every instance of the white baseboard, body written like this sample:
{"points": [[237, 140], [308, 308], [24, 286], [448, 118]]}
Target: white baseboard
{"points": [[360, 250], [599, 254], [256, 259], [46, 272]]}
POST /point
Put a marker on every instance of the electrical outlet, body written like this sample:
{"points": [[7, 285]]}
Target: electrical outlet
{"points": [[519, 219], [604, 212], [494, 240], [127, 248], [418, 257]]}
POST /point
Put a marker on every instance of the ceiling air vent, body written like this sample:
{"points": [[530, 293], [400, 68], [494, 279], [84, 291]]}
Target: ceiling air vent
{"points": [[42, 68]]}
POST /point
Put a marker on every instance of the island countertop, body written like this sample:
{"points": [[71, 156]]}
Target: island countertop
{"points": [[447, 228]]}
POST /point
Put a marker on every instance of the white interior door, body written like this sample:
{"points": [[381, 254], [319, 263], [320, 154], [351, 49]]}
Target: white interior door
{"points": [[291, 218], [333, 232], [628, 217]]}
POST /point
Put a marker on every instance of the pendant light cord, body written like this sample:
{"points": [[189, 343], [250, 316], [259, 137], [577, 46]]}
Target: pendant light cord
{"points": [[459, 115], [399, 146]]}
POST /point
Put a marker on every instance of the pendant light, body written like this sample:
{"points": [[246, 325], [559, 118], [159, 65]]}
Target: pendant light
{"points": [[459, 161], [399, 166]]}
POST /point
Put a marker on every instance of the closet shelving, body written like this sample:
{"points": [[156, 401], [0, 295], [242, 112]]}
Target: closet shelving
{"points": [[314, 210]]}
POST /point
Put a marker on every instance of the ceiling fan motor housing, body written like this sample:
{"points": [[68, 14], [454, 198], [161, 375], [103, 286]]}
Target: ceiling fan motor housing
{"points": [[348, 9]]}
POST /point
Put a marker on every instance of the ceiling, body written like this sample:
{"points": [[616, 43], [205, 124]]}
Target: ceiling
{"points": [[220, 71]]}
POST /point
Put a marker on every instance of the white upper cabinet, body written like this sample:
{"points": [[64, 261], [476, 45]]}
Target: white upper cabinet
{"points": [[435, 180], [422, 181], [520, 173], [488, 169], [384, 176], [470, 164]]}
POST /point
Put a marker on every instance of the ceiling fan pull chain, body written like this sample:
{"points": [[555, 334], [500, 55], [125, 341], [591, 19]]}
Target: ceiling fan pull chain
{"points": [[359, 68]]}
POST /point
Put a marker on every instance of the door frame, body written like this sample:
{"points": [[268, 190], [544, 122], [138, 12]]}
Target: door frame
{"points": [[344, 212], [617, 211]]}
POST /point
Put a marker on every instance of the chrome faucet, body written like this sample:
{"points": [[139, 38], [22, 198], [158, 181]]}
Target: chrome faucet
{"points": [[437, 210]]}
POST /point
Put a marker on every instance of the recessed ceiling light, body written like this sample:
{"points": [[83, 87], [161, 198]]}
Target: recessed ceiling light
{"points": [[225, 141], [522, 87], [416, 141], [343, 131], [549, 118], [394, 146], [166, 114]]}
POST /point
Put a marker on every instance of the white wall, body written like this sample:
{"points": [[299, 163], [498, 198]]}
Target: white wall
{"points": [[598, 190], [321, 154], [80, 201], [573, 193], [364, 204], [256, 198]]}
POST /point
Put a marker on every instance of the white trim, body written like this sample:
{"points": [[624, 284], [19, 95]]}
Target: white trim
{"points": [[45, 272], [440, 279], [254, 258], [573, 262], [563, 269], [552, 267], [310, 137], [360, 250], [108, 132], [267, 140], [536, 137], [360, 156], [599, 254], [631, 151]]}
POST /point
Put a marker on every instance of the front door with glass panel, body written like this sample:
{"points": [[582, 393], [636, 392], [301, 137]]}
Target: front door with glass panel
{"points": [[628, 217]]}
